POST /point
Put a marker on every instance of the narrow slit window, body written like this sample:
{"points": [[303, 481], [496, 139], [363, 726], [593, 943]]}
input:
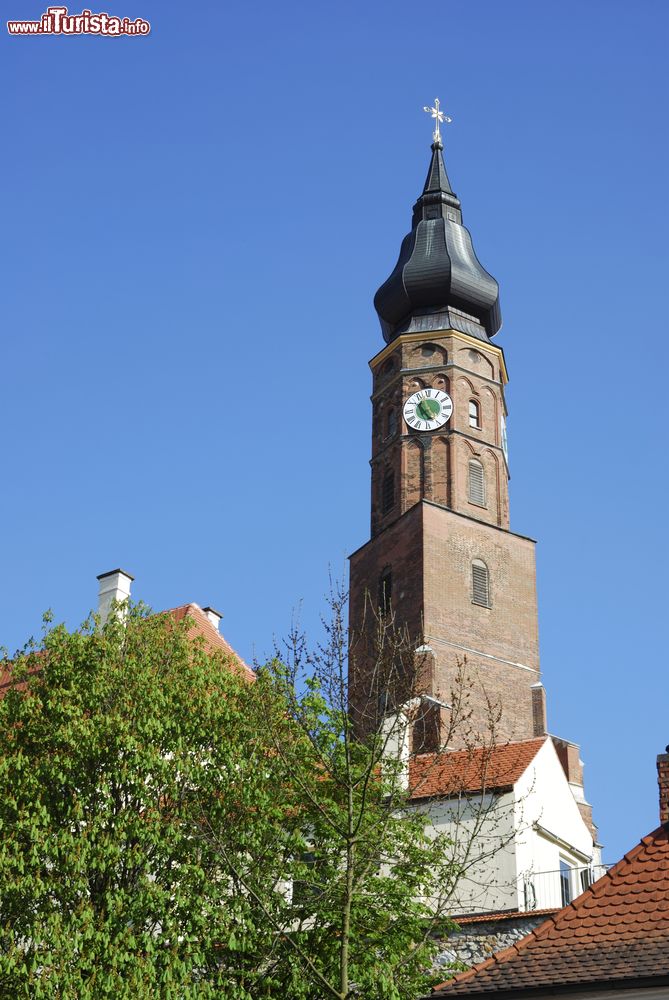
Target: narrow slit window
{"points": [[385, 591], [480, 584], [474, 413], [476, 483], [391, 422], [388, 493]]}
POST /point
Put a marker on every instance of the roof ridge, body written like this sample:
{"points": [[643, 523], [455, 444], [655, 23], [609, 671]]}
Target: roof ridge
{"points": [[469, 769], [178, 607], [203, 619]]}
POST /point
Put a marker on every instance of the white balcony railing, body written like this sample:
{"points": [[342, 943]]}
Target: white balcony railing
{"points": [[555, 889]]}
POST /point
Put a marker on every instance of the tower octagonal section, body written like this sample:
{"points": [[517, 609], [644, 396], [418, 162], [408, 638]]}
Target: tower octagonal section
{"points": [[458, 459]]}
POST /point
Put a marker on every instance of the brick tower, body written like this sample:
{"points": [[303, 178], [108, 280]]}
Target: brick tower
{"points": [[441, 551]]}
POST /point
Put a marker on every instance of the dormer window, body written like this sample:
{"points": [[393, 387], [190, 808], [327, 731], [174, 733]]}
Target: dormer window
{"points": [[474, 414]]}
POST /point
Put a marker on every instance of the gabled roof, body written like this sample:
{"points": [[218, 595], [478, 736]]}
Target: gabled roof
{"points": [[213, 640], [456, 772], [615, 933], [202, 626]]}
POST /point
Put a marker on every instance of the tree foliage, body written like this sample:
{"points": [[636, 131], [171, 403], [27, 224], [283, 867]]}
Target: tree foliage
{"points": [[168, 829], [112, 744], [372, 879]]}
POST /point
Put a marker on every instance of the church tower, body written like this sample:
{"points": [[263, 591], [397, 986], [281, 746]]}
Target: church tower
{"points": [[441, 552]]}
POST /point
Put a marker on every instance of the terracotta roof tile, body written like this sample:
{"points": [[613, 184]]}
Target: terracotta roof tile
{"points": [[457, 772], [213, 640], [617, 930], [498, 915]]}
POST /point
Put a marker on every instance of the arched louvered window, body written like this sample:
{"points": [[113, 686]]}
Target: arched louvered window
{"points": [[476, 483], [480, 584], [388, 493], [474, 413]]}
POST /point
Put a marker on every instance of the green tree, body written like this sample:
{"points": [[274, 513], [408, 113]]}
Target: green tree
{"points": [[113, 744], [170, 830], [372, 880]]}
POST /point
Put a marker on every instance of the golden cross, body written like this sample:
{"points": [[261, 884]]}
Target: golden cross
{"points": [[439, 117]]}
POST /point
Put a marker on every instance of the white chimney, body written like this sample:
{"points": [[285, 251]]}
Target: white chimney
{"points": [[214, 616], [114, 586]]}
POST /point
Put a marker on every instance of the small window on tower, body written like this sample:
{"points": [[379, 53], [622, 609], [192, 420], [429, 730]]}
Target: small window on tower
{"points": [[388, 493], [385, 591], [474, 413], [480, 584], [476, 483], [391, 422]]}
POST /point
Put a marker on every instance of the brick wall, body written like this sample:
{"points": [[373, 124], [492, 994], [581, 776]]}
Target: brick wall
{"points": [[432, 533], [500, 643], [663, 782], [429, 552], [434, 466]]}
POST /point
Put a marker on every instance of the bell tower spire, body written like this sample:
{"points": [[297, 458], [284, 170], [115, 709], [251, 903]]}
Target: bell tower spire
{"points": [[438, 280], [441, 545], [438, 311]]}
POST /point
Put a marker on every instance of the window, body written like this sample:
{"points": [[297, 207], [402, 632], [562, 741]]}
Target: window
{"points": [[391, 422], [308, 887], [476, 483], [586, 878], [385, 591], [388, 493], [565, 882], [480, 584], [530, 896], [474, 413]]}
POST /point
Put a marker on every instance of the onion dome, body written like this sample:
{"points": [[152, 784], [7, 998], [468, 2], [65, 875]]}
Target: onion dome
{"points": [[438, 282]]}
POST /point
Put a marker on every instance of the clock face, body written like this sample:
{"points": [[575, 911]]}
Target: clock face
{"points": [[428, 409]]}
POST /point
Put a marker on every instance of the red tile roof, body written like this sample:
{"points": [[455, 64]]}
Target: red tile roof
{"points": [[456, 772], [213, 640], [617, 932], [202, 626], [482, 918], [7, 677]]}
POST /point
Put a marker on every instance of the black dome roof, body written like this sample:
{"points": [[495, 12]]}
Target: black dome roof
{"points": [[438, 281]]}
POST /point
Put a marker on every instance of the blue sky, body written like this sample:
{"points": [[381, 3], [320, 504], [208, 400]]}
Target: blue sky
{"points": [[194, 225]]}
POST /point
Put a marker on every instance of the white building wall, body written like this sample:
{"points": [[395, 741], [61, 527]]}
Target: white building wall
{"points": [[483, 849], [510, 846], [550, 829]]}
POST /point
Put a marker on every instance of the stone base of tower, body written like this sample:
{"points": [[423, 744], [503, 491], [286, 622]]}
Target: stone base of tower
{"points": [[431, 560]]}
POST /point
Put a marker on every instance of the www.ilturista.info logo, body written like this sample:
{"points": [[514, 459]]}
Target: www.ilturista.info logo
{"points": [[57, 21]]}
